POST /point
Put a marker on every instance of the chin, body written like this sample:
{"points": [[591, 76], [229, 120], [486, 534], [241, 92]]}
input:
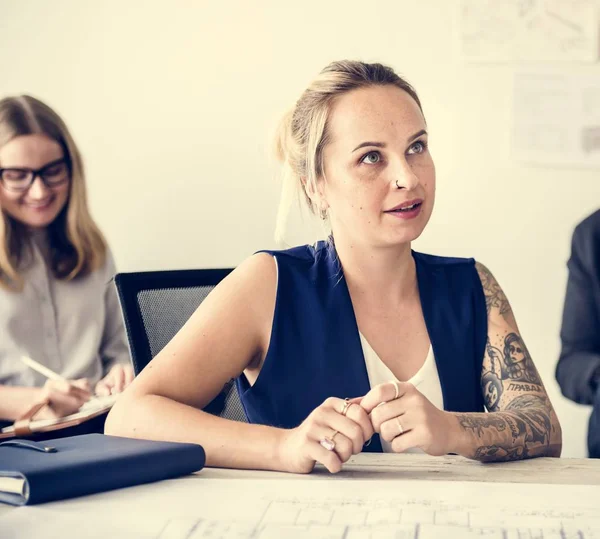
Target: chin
{"points": [[41, 221], [406, 236], [397, 240]]}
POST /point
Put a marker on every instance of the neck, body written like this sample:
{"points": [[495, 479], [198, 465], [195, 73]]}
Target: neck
{"points": [[378, 274], [36, 231]]}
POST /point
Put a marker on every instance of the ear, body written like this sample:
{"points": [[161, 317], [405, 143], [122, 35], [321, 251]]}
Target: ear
{"points": [[316, 194]]}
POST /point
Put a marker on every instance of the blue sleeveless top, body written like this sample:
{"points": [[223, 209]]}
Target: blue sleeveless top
{"points": [[315, 350]]}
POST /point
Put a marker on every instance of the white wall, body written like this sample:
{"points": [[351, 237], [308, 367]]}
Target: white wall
{"points": [[172, 104]]}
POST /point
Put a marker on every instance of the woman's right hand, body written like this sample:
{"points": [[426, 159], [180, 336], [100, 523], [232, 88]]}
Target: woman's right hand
{"points": [[345, 423], [64, 397]]}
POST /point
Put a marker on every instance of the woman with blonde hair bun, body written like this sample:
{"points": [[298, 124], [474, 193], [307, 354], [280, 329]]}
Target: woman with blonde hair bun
{"points": [[358, 343], [57, 305]]}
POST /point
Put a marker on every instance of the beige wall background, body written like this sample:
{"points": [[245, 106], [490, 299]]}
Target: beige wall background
{"points": [[173, 103]]}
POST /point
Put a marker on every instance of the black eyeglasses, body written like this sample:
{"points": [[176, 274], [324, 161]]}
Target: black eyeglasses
{"points": [[18, 179]]}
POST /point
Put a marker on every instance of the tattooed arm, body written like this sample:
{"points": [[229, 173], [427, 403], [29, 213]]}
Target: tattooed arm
{"points": [[521, 423]]}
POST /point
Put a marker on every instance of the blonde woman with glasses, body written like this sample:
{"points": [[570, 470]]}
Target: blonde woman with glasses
{"points": [[357, 343], [56, 303]]}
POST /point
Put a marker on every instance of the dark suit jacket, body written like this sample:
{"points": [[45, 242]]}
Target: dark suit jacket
{"points": [[579, 361]]}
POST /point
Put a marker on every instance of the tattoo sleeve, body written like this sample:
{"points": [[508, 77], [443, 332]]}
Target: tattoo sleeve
{"points": [[494, 296], [521, 422]]}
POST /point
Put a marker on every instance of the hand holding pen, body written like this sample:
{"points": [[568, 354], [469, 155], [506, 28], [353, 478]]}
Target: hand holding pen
{"points": [[64, 396]]}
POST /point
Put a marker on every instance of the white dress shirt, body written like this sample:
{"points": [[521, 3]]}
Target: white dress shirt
{"points": [[75, 328]]}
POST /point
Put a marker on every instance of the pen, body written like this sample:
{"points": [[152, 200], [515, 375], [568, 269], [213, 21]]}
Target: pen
{"points": [[48, 373]]}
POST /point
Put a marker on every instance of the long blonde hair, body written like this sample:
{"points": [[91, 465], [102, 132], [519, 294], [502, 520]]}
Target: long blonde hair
{"points": [[302, 134], [77, 246]]}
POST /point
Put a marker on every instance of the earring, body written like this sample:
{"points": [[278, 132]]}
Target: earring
{"points": [[398, 185]]}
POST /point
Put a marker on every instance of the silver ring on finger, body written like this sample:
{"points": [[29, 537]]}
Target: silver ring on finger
{"points": [[400, 427]]}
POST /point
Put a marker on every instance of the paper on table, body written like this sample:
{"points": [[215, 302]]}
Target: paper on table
{"points": [[28, 522], [96, 403], [335, 507], [359, 509]]}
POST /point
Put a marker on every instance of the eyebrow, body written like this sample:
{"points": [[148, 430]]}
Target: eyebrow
{"points": [[383, 145], [47, 165]]}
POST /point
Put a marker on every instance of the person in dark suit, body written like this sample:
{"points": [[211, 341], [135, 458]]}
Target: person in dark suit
{"points": [[578, 369]]}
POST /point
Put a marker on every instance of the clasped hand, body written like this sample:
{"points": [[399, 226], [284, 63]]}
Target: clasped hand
{"points": [[339, 428]]}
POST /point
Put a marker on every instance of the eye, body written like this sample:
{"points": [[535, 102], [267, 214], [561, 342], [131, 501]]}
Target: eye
{"points": [[14, 174], [371, 158], [54, 170], [417, 147]]}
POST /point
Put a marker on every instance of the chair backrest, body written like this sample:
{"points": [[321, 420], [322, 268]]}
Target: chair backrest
{"points": [[155, 305]]}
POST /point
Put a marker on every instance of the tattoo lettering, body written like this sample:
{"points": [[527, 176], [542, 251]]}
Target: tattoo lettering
{"points": [[512, 364], [524, 387]]}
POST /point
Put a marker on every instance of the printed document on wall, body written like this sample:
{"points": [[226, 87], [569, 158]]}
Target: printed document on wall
{"points": [[528, 30], [556, 119]]}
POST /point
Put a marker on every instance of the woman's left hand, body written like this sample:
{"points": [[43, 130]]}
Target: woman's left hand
{"points": [[117, 379], [403, 416]]}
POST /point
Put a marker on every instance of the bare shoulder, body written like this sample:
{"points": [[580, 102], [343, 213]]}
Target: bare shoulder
{"points": [[254, 279], [245, 299]]}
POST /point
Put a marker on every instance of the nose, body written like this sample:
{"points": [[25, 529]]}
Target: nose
{"points": [[403, 176], [37, 190]]}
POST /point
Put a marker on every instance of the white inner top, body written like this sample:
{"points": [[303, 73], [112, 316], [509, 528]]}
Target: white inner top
{"points": [[426, 380]]}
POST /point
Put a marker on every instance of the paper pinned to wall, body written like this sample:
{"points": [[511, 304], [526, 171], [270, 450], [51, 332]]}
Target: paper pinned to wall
{"points": [[528, 30], [556, 119]]}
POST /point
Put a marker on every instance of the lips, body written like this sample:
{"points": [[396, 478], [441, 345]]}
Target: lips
{"points": [[38, 205], [405, 207]]}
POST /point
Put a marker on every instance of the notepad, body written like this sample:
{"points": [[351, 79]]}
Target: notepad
{"points": [[92, 408]]}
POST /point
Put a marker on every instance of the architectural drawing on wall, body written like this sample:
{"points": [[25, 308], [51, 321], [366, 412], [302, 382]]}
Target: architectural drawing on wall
{"points": [[528, 30], [556, 118]]}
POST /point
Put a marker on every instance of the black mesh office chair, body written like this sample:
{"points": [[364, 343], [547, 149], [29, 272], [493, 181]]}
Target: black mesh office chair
{"points": [[155, 305]]}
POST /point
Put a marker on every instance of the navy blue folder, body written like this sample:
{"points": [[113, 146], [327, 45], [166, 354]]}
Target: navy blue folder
{"points": [[37, 472]]}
